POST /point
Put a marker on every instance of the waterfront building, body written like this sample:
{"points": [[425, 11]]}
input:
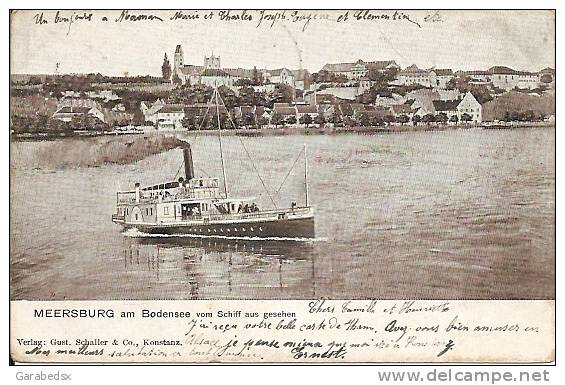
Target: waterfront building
{"points": [[447, 107], [149, 110], [403, 109], [71, 107], [470, 106], [169, 117]]}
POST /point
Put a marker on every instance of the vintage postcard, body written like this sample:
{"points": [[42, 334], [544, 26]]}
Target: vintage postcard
{"points": [[282, 186]]}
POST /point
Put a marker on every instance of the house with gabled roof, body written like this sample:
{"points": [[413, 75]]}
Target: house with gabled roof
{"points": [[306, 109], [403, 109], [470, 106], [67, 113], [285, 110], [150, 109], [69, 108], [447, 107]]}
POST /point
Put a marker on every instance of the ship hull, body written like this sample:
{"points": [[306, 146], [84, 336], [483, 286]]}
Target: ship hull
{"points": [[275, 228]]}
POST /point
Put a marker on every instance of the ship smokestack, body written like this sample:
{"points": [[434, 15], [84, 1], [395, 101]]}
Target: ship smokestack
{"points": [[188, 166], [137, 193]]}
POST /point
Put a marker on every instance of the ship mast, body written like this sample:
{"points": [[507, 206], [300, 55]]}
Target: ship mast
{"points": [[220, 140], [306, 174]]}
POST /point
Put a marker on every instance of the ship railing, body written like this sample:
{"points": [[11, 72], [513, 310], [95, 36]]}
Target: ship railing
{"points": [[129, 197], [267, 214], [126, 197]]}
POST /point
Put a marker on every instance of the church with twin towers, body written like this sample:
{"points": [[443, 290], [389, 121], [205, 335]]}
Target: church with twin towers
{"points": [[212, 74]]}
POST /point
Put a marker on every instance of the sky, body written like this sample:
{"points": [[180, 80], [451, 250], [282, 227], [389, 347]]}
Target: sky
{"points": [[114, 45]]}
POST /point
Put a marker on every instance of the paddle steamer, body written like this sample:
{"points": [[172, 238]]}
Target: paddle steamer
{"points": [[198, 206]]}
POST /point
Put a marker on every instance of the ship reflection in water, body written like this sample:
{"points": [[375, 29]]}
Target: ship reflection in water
{"points": [[201, 268]]}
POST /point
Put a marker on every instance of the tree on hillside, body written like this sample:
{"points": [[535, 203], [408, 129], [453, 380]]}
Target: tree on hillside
{"points": [[441, 117], [322, 76], [336, 119], [454, 119], [481, 93], [389, 118], [243, 82], [546, 78], [283, 93], [428, 118], [59, 126], [257, 78], [87, 122], [229, 97], [291, 120], [364, 120], [262, 121], [450, 85], [277, 119], [249, 120], [416, 119], [249, 97], [460, 82], [529, 116], [166, 69], [306, 120], [177, 80], [403, 119], [34, 80], [189, 122], [377, 121], [320, 120], [466, 118]]}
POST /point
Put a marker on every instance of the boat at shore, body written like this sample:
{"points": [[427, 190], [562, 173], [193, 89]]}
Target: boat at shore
{"points": [[198, 206]]}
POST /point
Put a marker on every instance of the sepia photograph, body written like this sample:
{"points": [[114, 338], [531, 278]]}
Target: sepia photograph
{"points": [[313, 155], [299, 160]]}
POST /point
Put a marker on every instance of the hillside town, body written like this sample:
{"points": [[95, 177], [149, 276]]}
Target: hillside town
{"points": [[359, 93]]}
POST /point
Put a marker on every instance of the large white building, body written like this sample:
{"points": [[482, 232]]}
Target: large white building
{"points": [[279, 76], [163, 116], [359, 69], [507, 78], [413, 75]]}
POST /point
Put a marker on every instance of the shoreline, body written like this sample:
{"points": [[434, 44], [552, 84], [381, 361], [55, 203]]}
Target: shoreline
{"points": [[281, 131], [99, 151]]}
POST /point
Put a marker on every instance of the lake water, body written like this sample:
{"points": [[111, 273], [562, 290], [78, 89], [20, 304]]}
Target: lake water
{"points": [[459, 214]]}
